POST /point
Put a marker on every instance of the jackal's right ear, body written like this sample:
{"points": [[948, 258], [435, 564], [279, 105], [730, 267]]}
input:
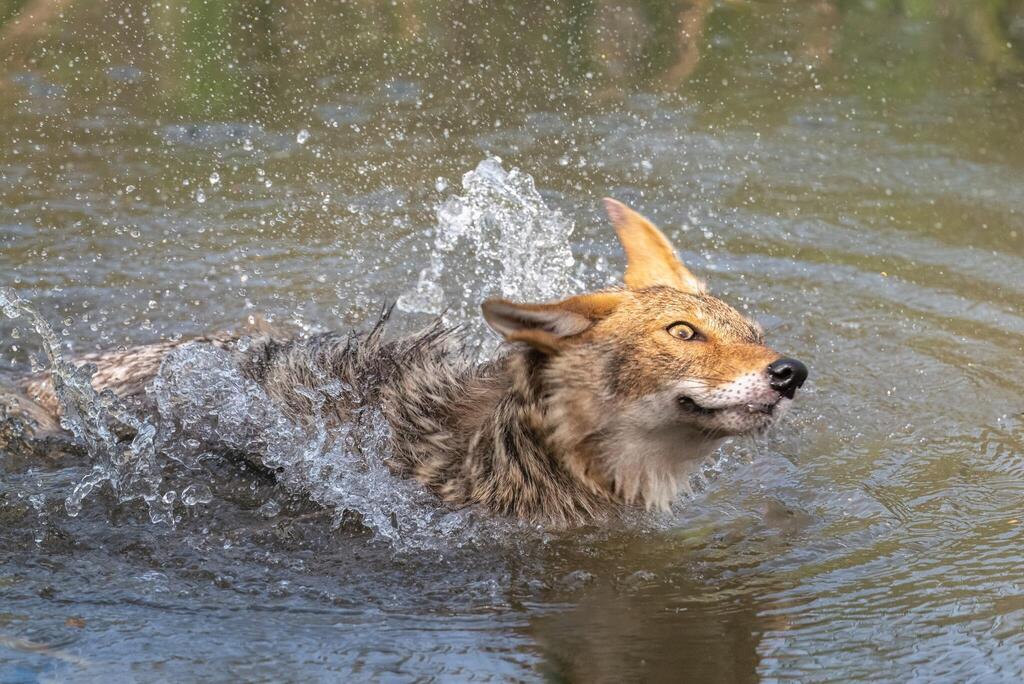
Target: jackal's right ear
{"points": [[547, 326], [650, 258]]}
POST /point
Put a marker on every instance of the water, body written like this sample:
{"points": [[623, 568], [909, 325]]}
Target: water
{"points": [[130, 467], [501, 228], [849, 173], [206, 403]]}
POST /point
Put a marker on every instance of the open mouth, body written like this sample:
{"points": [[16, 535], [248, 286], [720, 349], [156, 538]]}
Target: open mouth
{"points": [[766, 409], [691, 406]]}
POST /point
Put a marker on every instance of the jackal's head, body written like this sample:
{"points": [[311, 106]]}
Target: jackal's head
{"points": [[646, 380]]}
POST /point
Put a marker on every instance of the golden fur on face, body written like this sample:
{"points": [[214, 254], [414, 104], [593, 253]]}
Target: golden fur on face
{"points": [[645, 381], [712, 371]]}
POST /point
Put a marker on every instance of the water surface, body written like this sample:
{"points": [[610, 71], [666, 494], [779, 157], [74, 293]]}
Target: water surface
{"points": [[852, 174]]}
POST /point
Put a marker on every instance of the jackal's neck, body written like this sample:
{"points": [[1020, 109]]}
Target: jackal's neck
{"points": [[482, 436]]}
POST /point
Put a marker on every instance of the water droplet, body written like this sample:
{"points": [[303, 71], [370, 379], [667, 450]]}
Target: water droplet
{"points": [[214, 178], [197, 493], [200, 196], [440, 184], [302, 137]]}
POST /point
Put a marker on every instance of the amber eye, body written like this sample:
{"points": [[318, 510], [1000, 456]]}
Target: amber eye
{"points": [[681, 331]]}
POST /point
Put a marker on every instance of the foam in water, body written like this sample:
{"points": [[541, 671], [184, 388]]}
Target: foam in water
{"points": [[497, 239]]}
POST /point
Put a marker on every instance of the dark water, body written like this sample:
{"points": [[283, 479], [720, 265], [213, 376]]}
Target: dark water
{"points": [[851, 173]]}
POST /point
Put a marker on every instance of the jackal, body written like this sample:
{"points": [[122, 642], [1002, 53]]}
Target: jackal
{"points": [[597, 402]]}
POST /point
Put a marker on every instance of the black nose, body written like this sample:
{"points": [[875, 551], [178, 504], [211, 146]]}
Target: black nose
{"points": [[786, 376]]}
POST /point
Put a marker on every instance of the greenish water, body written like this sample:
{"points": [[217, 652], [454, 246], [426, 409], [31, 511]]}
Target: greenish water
{"points": [[850, 173]]}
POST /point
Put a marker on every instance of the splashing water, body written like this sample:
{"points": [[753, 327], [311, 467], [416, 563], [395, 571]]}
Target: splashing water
{"points": [[205, 404], [518, 248], [204, 401], [95, 418]]}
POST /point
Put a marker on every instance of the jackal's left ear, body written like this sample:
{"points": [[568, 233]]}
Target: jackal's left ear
{"points": [[650, 258], [547, 326]]}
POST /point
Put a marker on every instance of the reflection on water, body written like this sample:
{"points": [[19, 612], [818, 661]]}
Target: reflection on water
{"points": [[849, 172]]}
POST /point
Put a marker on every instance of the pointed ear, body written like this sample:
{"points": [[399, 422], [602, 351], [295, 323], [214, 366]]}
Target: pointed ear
{"points": [[546, 326], [650, 258]]}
